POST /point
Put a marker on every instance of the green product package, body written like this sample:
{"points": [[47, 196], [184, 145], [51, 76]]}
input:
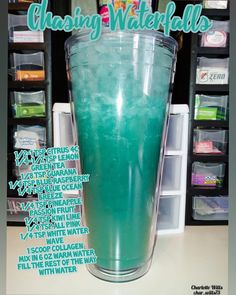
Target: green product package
{"points": [[30, 110], [210, 107], [206, 114]]}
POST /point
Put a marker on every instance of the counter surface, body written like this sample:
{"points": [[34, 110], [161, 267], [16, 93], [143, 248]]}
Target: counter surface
{"points": [[199, 256]]}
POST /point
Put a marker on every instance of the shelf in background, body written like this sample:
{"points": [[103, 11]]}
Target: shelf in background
{"points": [[208, 191], [10, 157], [208, 222], [170, 193], [210, 123], [26, 46], [212, 88], [15, 223], [210, 158], [27, 84], [222, 13], [12, 194], [174, 153], [205, 89], [215, 51], [16, 217], [27, 121], [18, 6]]}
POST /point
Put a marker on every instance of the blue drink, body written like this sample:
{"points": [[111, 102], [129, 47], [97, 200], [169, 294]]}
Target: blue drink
{"points": [[120, 96]]}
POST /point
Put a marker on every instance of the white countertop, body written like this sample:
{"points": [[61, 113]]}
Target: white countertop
{"points": [[197, 257]]}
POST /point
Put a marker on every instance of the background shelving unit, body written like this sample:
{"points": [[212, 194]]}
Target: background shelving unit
{"points": [[14, 215], [173, 190], [197, 51]]}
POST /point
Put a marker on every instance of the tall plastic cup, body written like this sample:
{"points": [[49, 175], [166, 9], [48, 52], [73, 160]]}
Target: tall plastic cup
{"points": [[120, 92]]}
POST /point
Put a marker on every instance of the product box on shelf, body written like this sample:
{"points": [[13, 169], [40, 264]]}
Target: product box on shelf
{"points": [[211, 107], [28, 104], [103, 9], [217, 36], [210, 141], [215, 4], [19, 32], [210, 208], [29, 137], [212, 71], [27, 66], [208, 174]]}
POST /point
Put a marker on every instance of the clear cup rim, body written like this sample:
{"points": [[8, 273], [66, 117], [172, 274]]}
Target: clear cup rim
{"points": [[159, 36]]}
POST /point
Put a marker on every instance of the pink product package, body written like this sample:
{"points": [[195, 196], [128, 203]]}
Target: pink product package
{"points": [[203, 180], [214, 39], [205, 147], [217, 36], [104, 12]]}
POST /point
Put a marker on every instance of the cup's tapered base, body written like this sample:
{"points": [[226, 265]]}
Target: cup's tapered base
{"points": [[117, 276]]}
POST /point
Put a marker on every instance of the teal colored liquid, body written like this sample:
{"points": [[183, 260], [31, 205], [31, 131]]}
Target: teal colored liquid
{"points": [[120, 101]]}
